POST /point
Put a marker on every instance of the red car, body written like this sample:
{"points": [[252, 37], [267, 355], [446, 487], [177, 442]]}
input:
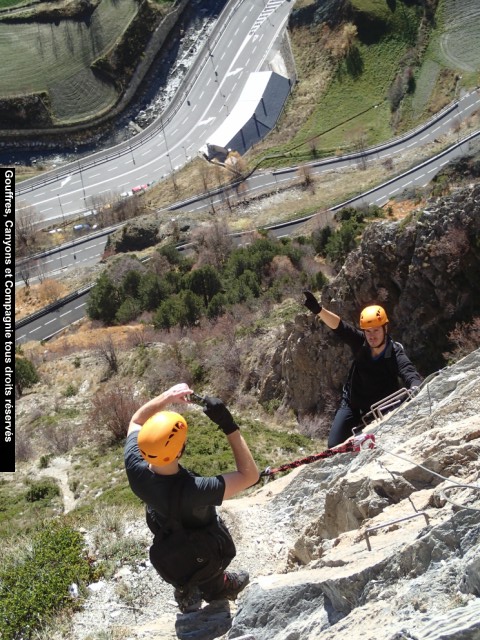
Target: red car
{"points": [[140, 187]]}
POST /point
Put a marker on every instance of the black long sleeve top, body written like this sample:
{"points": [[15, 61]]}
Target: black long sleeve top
{"points": [[373, 378]]}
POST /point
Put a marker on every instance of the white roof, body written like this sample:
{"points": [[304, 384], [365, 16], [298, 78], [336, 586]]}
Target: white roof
{"points": [[243, 110]]}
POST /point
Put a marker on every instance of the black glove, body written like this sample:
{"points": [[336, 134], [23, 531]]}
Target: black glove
{"points": [[311, 302], [218, 413]]}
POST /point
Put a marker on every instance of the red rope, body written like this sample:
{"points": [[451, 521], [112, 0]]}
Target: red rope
{"points": [[354, 444]]}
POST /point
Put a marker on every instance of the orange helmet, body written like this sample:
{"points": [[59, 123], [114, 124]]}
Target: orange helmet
{"points": [[373, 316], [162, 437]]}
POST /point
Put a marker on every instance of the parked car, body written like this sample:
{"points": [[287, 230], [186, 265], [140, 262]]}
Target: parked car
{"points": [[140, 187]]}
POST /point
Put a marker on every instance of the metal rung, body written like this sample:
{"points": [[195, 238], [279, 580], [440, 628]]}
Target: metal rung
{"points": [[387, 524], [378, 409]]}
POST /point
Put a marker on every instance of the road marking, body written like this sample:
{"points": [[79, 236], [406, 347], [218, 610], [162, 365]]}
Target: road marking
{"points": [[65, 314], [49, 322]]}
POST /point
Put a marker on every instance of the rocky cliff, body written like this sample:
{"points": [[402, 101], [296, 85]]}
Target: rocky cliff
{"points": [[425, 270], [383, 544]]}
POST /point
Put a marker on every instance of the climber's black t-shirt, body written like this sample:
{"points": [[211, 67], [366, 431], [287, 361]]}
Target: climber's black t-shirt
{"points": [[200, 494]]}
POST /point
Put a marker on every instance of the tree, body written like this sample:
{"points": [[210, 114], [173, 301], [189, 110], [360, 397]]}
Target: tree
{"points": [[131, 283], [205, 282], [152, 290], [26, 220], [128, 311], [104, 300], [320, 239], [214, 244], [189, 309], [108, 352], [167, 314], [217, 306], [25, 374]]}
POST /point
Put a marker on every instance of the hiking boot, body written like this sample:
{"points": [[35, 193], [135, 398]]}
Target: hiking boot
{"points": [[188, 600], [233, 584]]}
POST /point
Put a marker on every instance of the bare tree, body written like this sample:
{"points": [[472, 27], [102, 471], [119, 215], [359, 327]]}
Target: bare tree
{"points": [[25, 271], [204, 173], [305, 177], [360, 145], [108, 352], [214, 244], [26, 221]]}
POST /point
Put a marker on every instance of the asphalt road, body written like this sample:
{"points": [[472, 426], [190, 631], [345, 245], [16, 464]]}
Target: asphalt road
{"points": [[89, 251], [240, 44], [48, 325]]}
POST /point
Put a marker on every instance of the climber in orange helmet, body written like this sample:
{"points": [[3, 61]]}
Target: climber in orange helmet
{"points": [[379, 365], [180, 504]]}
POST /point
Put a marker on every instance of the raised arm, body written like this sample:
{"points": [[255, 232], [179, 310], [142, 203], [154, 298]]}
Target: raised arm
{"points": [[328, 317], [246, 473], [177, 394]]}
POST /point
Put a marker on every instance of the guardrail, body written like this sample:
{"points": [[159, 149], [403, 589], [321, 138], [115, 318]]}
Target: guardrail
{"points": [[149, 132], [52, 306]]}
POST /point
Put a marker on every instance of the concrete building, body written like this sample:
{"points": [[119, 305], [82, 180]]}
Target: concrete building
{"points": [[253, 116]]}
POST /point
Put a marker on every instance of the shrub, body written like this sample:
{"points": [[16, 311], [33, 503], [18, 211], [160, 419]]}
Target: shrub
{"points": [[70, 390], [320, 238], [113, 409], [33, 589], [25, 374], [465, 338], [104, 300], [41, 490]]}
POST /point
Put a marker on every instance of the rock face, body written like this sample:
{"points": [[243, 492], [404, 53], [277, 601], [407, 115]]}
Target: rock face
{"points": [[303, 539], [425, 271], [421, 578]]}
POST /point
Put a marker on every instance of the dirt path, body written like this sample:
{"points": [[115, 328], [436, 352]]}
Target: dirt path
{"points": [[58, 469]]}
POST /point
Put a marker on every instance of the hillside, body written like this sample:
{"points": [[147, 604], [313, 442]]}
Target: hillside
{"points": [[303, 539], [284, 375]]}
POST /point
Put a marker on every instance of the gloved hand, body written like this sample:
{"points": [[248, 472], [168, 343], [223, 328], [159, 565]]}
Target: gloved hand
{"points": [[415, 389], [311, 302], [218, 413]]}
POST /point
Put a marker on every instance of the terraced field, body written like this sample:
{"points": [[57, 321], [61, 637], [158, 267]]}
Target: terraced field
{"points": [[454, 45], [57, 59], [460, 40]]}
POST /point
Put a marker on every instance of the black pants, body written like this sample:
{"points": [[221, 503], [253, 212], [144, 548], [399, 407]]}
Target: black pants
{"points": [[343, 424]]}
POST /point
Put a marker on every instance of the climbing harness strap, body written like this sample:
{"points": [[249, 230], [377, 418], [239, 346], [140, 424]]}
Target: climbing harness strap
{"points": [[352, 445]]}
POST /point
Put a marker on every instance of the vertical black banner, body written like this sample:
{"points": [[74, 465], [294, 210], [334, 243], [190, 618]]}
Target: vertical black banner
{"points": [[7, 436]]}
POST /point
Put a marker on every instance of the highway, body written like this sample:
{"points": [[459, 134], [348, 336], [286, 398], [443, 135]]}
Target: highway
{"points": [[46, 325], [240, 44], [89, 250]]}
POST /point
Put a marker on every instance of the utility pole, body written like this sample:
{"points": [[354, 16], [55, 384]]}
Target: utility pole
{"points": [[63, 225], [83, 186], [162, 126]]}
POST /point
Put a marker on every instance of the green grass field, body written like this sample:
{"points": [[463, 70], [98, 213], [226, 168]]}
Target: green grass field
{"points": [[354, 110], [6, 4], [57, 59]]}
